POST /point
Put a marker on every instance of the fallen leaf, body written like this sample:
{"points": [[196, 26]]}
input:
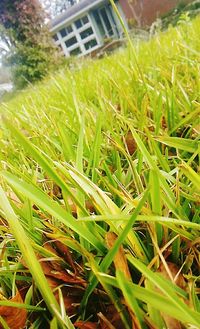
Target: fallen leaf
{"points": [[179, 280], [104, 322], [86, 325], [14, 317], [130, 143], [63, 251], [120, 261]]}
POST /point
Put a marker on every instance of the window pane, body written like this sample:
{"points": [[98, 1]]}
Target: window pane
{"points": [[86, 33], [75, 52], [85, 20], [63, 32], [78, 24], [99, 23], [106, 21], [71, 42], [90, 44]]}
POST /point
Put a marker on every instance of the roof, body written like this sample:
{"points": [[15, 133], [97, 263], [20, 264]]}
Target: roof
{"points": [[74, 11]]}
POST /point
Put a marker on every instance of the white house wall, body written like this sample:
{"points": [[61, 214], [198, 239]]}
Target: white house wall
{"points": [[83, 46]]}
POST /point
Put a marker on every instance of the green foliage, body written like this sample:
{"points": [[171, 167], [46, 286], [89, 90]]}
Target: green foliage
{"points": [[119, 139], [29, 64], [181, 13], [31, 52]]}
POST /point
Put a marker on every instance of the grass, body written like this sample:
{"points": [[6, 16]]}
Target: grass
{"points": [[100, 197]]}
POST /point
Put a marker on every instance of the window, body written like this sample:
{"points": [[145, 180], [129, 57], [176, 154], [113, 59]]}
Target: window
{"points": [[86, 33], [99, 23], [80, 22], [106, 21], [71, 42], [90, 44], [75, 51], [55, 37], [65, 31]]}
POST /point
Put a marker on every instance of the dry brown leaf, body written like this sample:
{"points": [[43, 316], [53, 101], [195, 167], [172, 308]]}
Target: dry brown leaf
{"points": [[120, 261], [14, 317], [174, 270], [179, 280], [130, 143], [58, 273], [65, 253], [54, 268], [72, 295], [86, 325], [104, 322]]}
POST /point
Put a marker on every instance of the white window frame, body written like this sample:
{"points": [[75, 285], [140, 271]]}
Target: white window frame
{"points": [[76, 33]]}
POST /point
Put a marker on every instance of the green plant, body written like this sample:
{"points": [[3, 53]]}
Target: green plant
{"points": [[100, 175]]}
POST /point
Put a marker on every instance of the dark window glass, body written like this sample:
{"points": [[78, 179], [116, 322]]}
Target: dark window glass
{"points": [[75, 52], [69, 29], [63, 32], [71, 42], [55, 37], [106, 21], [78, 24], [90, 44], [86, 33], [85, 20], [99, 23]]}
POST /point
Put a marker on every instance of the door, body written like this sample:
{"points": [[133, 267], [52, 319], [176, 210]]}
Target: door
{"points": [[106, 22]]}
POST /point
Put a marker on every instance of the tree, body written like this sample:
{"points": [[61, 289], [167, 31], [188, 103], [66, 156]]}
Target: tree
{"points": [[32, 53], [56, 7]]}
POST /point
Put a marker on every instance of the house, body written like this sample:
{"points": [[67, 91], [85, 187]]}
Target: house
{"points": [[85, 27]]}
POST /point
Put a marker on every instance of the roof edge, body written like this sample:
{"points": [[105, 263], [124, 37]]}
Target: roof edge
{"points": [[71, 14]]}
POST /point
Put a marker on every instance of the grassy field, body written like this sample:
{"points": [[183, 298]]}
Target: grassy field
{"points": [[100, 202]]}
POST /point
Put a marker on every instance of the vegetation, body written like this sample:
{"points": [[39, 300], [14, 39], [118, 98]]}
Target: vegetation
{"points": [[31, 53], [100, 201], [181, 12]]}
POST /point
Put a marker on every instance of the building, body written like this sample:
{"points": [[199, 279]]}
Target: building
{"points": [[86, 26]]}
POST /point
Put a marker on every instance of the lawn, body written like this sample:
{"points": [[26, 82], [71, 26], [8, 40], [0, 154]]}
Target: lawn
{"points": [[100, 191]]}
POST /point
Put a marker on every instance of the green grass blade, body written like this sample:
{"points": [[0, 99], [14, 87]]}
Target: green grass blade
{"points": [[49, 205], [45, 163], [191, 175], [184, 144], [28, 254], [163, 285], [112, 252], [131, 300]]}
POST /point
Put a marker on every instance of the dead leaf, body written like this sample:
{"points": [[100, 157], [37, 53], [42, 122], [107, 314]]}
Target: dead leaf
{"points": [[105, 323], [130, 143], [65, 253], [72, 295], [14, 317], [120, 259], [179, 280], [56, 268], [85, 325]]}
